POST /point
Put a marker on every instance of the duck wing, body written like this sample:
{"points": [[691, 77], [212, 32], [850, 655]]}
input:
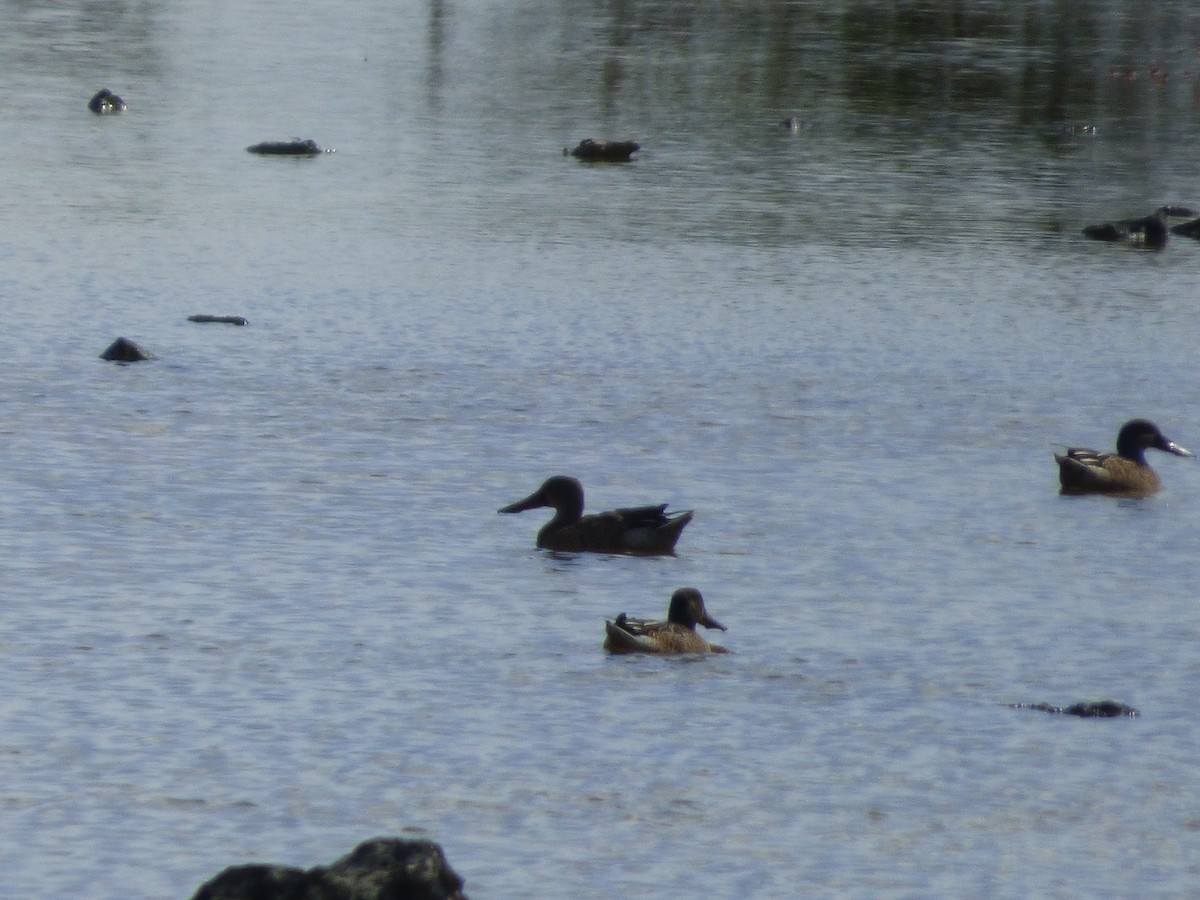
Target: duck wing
{"points": [[648, 529], [1083, 469], [629, 636], [626, 635]]}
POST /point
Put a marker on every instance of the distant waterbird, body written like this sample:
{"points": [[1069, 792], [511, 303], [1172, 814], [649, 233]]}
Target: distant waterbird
{"points": [[674, 636], [1084, 471], [646, 530]]}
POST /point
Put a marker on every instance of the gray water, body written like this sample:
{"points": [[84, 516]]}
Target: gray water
{"points": [[258, 605]]}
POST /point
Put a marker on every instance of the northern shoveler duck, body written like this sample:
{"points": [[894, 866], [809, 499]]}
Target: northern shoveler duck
{"points": [[643, 529], [676, 635], [592, 150], [1083, 471], [1149, 232]]}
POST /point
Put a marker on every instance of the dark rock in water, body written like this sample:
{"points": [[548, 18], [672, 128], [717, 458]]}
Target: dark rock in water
{"points": [[287, 148], [603, 151], [224, 320], [379, 869], [106, 102], [125, 351], [1098, 709]]}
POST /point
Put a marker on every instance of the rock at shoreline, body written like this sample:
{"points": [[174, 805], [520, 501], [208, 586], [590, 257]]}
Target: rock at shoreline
{"points": [[378, 869], [123, 350], [224, 320]]}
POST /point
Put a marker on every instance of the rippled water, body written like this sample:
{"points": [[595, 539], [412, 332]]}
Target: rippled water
{"points": [[258, 602]]}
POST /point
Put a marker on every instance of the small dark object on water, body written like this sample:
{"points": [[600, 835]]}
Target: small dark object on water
{"points": [[287, 148], [1098, 709], [792, 124], [106, 102], [224, 320], [123, 350], [603, 151]]}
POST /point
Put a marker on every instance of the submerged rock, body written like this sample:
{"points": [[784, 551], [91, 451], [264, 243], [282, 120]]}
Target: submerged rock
{"points": [[106, 102], [224, 320], [603, 151], [287, 148], [1095, 709], [124, 350], [378, 869]]}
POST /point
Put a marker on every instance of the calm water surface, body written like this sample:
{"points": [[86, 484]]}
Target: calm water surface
{"points": [[258, 602]]}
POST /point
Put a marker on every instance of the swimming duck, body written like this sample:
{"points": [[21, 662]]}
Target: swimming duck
{"points": [[642, 529], [294, 147], [1149, 232], [592, 150], [676, 635], [1083, 471]]}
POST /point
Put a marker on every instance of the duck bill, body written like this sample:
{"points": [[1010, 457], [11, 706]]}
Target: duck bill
{"points": [[709, 622], [1177, 450], [533, 501]]}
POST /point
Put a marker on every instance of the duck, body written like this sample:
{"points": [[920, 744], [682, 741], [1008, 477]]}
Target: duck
{"points": [[645, 530], [674, 636], [1082, 471], [1149, 232], [593, 150]]}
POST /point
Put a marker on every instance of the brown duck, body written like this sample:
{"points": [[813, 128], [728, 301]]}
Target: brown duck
{"points": [[1125, 472], [676, 635], [645, 530]]}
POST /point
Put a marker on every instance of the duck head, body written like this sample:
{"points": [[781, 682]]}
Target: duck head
{"points": [[1139, 435], [561, 492], [687, 609]]}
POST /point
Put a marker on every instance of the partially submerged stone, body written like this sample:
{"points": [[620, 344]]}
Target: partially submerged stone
{"points": [[106, 102], [223, 320], [124, 350], [379, 869], [287, 148], [592, 150]]}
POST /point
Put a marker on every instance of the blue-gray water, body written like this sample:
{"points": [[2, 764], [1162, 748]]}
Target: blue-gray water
{"points": [[258, 605]]}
